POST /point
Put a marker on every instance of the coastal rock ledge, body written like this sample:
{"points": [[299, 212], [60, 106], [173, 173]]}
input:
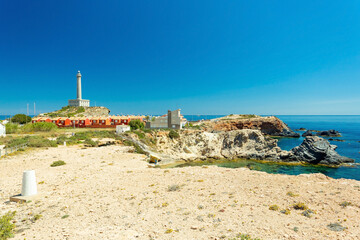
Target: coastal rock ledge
{"points": [[194, 145], [316, 150]]}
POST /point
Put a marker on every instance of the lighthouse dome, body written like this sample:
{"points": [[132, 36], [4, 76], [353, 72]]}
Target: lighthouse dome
{"points": [[78, 74]]}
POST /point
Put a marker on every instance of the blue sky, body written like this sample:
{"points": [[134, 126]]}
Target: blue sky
{"points": [[205, 57]]}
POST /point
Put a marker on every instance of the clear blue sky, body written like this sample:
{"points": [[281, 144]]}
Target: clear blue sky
{"points": [[205, 57]]}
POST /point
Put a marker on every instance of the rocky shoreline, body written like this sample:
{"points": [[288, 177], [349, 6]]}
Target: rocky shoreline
{"points": [[223, 139]]}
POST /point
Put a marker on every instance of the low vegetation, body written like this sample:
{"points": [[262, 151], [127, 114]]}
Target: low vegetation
{"points": [[300, 206], [173, 188], [31, 141], [39, 127], [174, 134], [241, 236], [57, 163], [345, 204], [12, 128], [136, 124], [274, 207], [7, 226]]}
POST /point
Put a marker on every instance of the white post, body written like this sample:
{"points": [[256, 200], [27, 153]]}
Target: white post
{"points": [[29, 187], [64, 144]]}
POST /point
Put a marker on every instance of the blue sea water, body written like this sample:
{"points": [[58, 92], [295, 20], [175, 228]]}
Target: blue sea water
{"points": [[348, 126]]}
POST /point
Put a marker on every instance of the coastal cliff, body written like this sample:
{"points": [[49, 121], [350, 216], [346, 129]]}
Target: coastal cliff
{"points": [[267, 125], [191, 145]]}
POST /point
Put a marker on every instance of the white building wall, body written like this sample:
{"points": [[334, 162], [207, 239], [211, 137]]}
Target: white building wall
{"points": [[122, 128], [160, 122], [2, 130]]}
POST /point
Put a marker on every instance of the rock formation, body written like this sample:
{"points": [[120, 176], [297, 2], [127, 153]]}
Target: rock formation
{"points": [[328, 133], [267, 125], [307, 133], [316, 150]]}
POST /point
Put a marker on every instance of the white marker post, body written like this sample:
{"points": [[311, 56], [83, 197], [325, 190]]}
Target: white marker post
{"points": [[29, 187]]}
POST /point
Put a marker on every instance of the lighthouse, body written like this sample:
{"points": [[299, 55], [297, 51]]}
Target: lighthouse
{"points": [[78, 76], [79, 102]]}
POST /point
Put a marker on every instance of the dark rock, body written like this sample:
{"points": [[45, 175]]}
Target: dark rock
{"points": [[329, 133], [316, 150], [300, 129], [288, 133], [307, 133], [336, 140]]}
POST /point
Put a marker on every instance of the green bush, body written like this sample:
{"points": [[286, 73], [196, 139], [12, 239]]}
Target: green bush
{"points": [[57, 163], [89, 142], [37, 142], [11, 128], [138, 149], [31, 141], [173, 134], [21, 119], [6, 226], [39, 127], [136, 124]]}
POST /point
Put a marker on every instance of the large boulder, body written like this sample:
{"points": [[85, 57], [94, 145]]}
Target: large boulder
{"points": [[329, 133], [307, 133], [316, 150]]}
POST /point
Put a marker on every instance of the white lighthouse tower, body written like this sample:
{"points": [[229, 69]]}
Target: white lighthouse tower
{"points": [[79, 102]]}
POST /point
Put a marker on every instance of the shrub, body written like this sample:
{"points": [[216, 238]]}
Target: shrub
{"points": [[141, 135], [173, 134], [300, 206], [138, 149], [39, 127], [11, 128], [173, 188], [285, 211], [57, 163], [6, 226], [37, 142], [307, 213], [136, 124], [291, 194], [274, 207], [345, 204], [20, 118], [32, 141], [89, 142]]}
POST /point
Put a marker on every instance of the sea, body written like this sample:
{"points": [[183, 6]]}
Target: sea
{"points": [[347, 125]]}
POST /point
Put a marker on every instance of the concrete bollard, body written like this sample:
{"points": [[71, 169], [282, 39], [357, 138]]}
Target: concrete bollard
{"points": [[29, 187]]}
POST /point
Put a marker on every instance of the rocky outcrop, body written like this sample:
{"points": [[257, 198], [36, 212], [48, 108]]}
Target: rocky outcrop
{"points": [[307, 133], [267, 125], [192, 145], [79, 112], [328, 133], [246, 143], [316, 150]]}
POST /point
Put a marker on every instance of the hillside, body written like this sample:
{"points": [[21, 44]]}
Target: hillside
{"points": [[78, 112]]}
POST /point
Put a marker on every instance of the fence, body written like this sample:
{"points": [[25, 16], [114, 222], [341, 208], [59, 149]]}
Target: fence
{"points": [[7, 151]]}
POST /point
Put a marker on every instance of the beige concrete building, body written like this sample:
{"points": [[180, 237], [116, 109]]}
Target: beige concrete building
{"points": [[173, 120]]}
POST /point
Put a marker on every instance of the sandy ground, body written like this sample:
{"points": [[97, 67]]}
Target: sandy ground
{"points": [[108, 193]]}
